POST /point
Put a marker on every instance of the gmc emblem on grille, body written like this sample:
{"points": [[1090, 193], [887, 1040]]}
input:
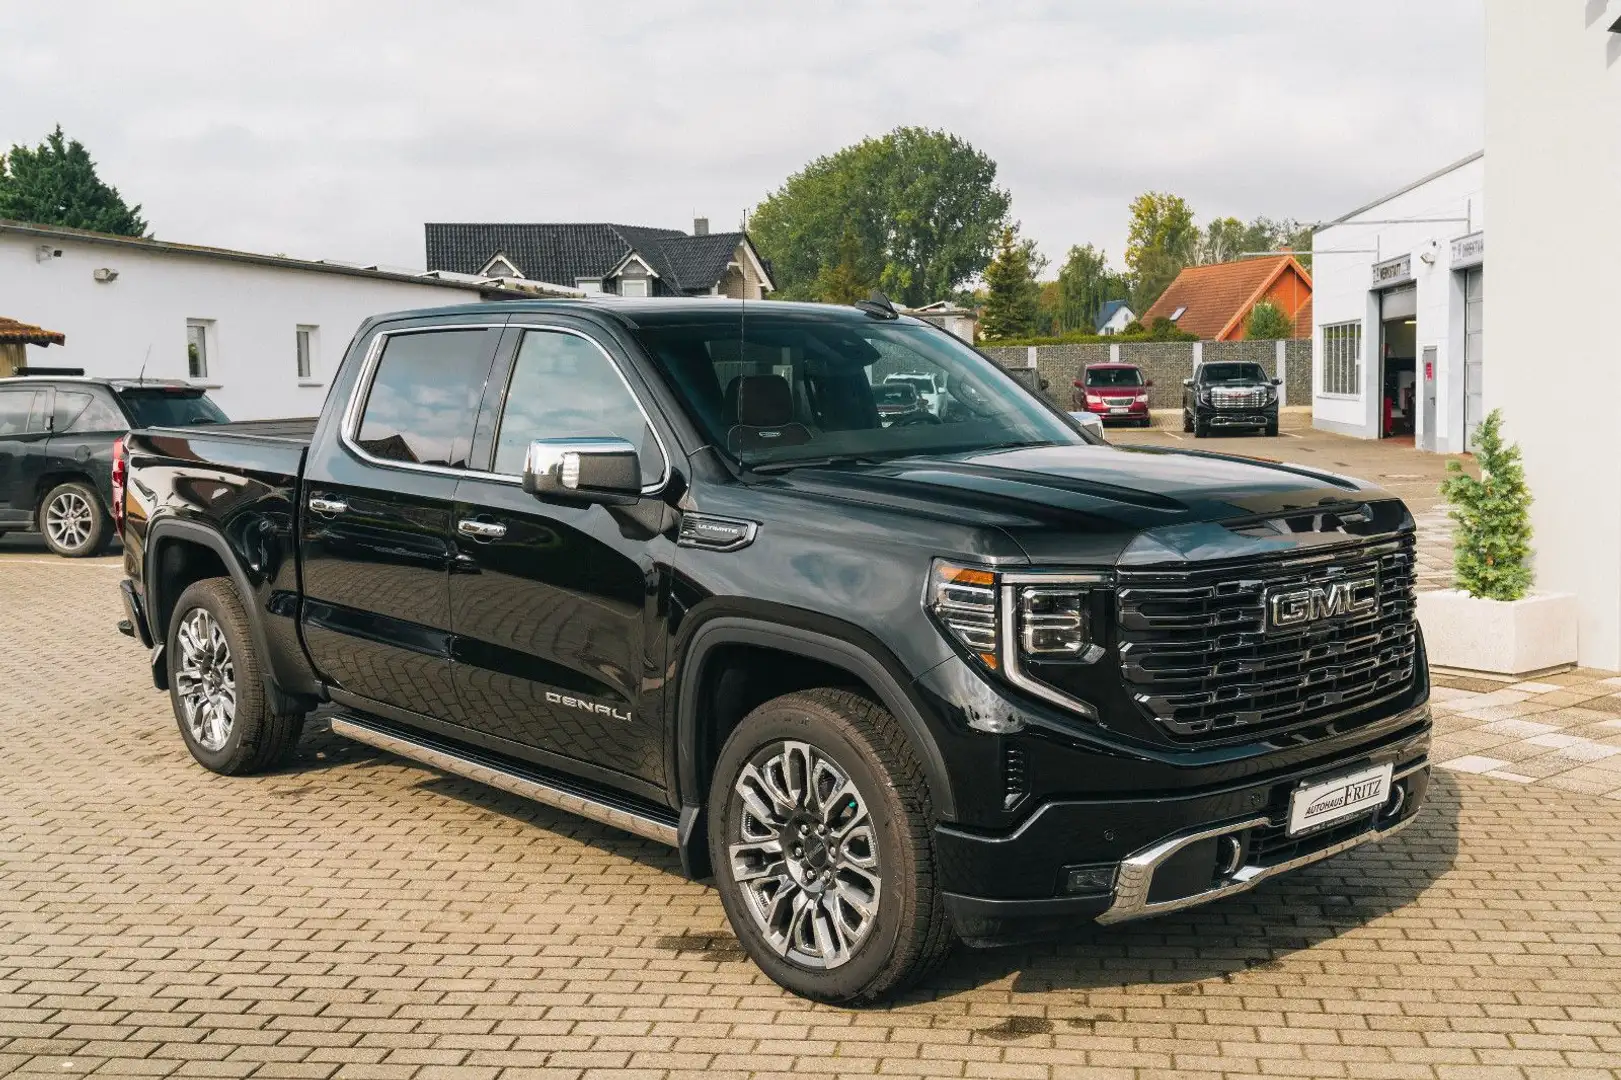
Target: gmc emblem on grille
{"points": [[1339, 599]]}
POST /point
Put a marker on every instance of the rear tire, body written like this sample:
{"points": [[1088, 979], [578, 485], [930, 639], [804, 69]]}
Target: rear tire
{"points": [[875, 922], [229, 721], [73, 521]]}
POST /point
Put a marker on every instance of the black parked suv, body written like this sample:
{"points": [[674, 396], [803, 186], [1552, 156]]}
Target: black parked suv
{"points": [[57, 433], [662, 563], [1227, 394]]}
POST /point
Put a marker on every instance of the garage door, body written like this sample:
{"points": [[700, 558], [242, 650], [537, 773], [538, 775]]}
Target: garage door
{"points": [[1474, 349]]}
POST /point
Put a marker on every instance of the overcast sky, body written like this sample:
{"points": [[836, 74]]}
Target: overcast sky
{"points": [[335, 129]]}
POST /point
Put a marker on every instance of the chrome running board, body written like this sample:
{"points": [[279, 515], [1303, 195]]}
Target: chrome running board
{"points": [[513, 779]]}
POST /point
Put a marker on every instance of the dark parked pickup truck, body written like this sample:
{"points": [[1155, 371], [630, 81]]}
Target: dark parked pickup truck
{"points": [[1228, 394], [660, 562]]}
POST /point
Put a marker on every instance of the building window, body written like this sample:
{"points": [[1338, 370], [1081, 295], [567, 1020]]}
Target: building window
{"points": [[305, 336], [1342, 358], [197, 335], [634, 287]]}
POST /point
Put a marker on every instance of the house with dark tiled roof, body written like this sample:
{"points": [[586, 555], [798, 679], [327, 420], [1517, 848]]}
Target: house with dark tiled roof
{"points": [[1215, 301], [625, 260]]}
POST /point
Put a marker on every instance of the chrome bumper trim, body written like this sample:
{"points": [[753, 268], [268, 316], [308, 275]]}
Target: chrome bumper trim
{"points": [[1137, 871]]}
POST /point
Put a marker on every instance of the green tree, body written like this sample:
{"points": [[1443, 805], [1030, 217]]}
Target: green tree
{"points": [[1085, 284], [1161, 239], [55, 183], [1012, 298], [847, 280], [1492, 544], [922, 207], [1267, 322]]}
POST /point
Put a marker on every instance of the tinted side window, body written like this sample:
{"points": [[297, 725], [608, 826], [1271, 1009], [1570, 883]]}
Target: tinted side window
{"points": [[562, 387], [82, 410], [14, 406], [424, 397]]}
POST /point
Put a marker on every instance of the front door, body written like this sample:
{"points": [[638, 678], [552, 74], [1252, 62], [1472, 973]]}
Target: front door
{"points": [[554, 605], [375, 526], [1474, 349], [24, 432]]}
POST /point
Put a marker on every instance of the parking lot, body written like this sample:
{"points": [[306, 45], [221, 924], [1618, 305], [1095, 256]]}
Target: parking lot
{"points": [[354, 915]]}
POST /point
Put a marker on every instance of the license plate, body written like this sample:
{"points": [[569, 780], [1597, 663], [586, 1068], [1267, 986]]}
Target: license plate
{"points": [[1120, 408], [1345, 796]]}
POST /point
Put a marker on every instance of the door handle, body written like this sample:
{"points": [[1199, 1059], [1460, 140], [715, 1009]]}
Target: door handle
{"points": [[481, 530], [327, 506]]}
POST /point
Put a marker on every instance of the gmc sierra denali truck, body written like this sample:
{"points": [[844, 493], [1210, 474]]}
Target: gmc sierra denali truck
{"points": [[659, 562]]}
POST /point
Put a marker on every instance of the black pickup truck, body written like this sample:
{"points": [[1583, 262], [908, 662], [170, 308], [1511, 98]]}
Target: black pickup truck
{"points": [[660, 563], [1230, 394]]}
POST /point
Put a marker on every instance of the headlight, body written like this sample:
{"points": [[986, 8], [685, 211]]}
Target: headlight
{"points": [[1008, 619], [1204, 397]]}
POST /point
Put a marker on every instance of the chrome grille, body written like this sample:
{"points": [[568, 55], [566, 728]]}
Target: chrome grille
{"points": [[1238, 397], [1116, 402], [1198, 658]]}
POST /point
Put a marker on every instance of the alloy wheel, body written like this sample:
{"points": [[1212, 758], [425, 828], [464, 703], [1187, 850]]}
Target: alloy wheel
{"points": [[805, 855], [205, 679], [69, 520]]}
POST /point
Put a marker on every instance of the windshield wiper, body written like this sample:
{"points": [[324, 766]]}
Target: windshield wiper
{"points": [[802, 463]]}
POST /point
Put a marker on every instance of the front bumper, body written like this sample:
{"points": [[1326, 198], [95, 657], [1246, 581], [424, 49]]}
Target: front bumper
{"points": [[1162, 854], [1259, 416]]}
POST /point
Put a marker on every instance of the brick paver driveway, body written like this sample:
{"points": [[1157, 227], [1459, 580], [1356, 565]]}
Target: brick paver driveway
{"points": [[357, 916]]}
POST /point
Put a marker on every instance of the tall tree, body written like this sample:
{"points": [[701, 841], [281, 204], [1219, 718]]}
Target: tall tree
{"points": [[923, 208], [847, 280], [1012, 297], [55, 183], [1161, 239], [1085, 283]]}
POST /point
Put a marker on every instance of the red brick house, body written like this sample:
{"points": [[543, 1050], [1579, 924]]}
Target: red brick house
{"points": [[1214, 301]]}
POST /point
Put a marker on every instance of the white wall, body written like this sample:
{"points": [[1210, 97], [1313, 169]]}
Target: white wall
{"points": [[109, 326], [1341, 286], [1553, 136]]}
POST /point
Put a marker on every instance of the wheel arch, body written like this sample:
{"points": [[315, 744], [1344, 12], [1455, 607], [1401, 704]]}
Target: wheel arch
{"points": [[843, 655], [169, 538]]}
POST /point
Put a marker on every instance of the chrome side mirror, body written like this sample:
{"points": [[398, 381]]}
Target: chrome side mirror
{"points": [[1187, 382], [590, 470]]}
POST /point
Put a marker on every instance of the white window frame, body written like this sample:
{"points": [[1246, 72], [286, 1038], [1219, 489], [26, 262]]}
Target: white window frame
{"points": [[645, 284], [306, 351], [205, 337], [1342, 360]]}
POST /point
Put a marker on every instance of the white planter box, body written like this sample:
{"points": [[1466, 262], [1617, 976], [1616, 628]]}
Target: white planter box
{"points": [[1508, 638]]}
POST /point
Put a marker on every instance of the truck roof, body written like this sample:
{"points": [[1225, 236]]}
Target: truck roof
{"points": [[122, 383], [628, 308]]}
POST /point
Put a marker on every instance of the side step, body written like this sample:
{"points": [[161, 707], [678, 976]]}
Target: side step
{"points": [[514, 778]]}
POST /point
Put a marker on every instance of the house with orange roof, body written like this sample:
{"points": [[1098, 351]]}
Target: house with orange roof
{"points": [[15, 336], [1215, 301]]}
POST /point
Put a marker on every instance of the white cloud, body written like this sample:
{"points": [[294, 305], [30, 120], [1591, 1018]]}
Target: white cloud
{"points": [[334, 129]]}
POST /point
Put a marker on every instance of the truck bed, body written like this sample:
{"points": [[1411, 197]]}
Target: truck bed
{"points": [[297, 429]]}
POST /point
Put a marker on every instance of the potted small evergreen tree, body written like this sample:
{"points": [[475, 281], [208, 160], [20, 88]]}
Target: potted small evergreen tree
{"points": [[1493, 621]]}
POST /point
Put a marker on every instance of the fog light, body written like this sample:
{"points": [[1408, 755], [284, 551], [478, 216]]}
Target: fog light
{"points": [[1395, 804], [1089, 879]]}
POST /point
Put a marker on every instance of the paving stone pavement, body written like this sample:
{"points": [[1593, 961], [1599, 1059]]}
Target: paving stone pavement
{"points": [[356, 916]]}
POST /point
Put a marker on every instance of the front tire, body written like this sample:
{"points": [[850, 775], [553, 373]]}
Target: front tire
{"points": [[73, 521], [1201, 428], [821, 839], [229, 721], [1272, 429]]}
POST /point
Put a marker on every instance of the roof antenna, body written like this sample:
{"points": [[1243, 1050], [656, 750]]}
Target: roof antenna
{"points": [[878, 306], [141, 378]]}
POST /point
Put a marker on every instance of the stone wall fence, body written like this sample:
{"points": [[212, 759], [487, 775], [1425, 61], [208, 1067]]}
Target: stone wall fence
{"points": [[1167, 363]]}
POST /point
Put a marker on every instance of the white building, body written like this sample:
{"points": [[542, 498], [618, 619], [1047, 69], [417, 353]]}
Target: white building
{"points": [[1553, 129], [1398, 340], [262, 332]]}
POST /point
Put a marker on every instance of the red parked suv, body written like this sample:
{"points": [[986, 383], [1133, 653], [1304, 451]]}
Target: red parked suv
{"points": [[1113, 392]]}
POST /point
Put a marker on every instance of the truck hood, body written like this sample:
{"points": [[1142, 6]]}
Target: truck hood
{"points": [[1053, 491]]}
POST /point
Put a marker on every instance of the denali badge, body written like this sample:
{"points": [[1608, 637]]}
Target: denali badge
{"points": [[588, 706], [1338, 599]]}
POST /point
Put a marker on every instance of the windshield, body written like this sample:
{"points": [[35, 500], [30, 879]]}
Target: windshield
{"points": [[800, 386], [1214, 373], [1114, 377], [894, 394], [170, 408]]}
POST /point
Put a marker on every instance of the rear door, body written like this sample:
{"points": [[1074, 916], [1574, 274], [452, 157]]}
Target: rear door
{"points": [[86, 422], [24, 433], [554, 606], [375, 525]]}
